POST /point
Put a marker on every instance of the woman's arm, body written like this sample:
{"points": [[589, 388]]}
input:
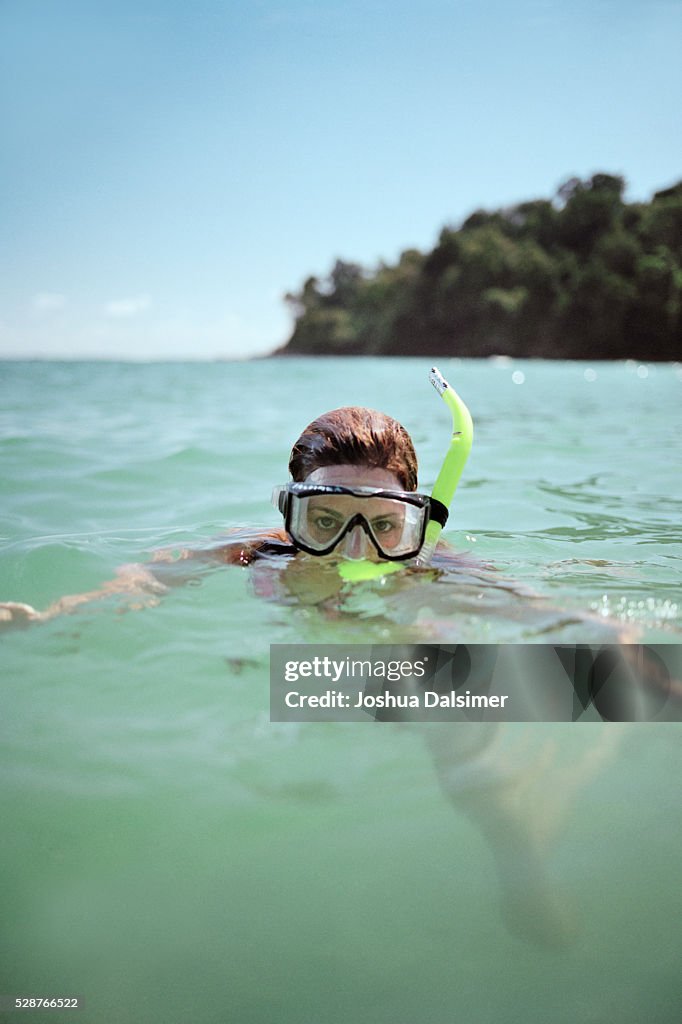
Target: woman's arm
{"points": [[134, 579], [169, 567]]}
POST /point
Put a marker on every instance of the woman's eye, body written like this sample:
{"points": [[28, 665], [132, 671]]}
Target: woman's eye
{"points": [[384, 525], [325, 523]]}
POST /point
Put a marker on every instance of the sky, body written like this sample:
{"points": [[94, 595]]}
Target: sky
{"points": [[170, 170]]}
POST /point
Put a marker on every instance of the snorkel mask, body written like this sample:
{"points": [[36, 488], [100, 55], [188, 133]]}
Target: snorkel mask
{"points": [[399, 525], [319, 516]]}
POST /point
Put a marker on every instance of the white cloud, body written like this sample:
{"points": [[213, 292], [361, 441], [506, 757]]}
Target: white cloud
{"points": [[46, 301], [132, 306], [159, 333]]}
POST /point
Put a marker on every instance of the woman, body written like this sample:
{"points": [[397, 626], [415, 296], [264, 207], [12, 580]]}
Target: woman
{"points": [[353, 495]]}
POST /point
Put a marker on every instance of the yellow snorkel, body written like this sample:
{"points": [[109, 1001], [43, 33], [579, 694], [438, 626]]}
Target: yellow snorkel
{"points": [[443, 490], [454, 461]]}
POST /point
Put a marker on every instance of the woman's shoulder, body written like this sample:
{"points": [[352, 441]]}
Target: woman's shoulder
{"points": [[446, 557], [243, 545]]}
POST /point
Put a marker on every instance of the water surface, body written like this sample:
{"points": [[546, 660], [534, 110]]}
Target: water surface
{"points": [[171, 855]]}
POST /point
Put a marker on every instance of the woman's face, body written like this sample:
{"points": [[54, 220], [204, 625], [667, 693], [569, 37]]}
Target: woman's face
{"points": [[356, 544]]}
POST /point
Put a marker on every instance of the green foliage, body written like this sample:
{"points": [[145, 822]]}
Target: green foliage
{"points": [[584, 275]]}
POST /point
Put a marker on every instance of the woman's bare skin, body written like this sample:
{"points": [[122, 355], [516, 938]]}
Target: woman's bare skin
{"points": [[519, 799], [134, 580], [144, 584]]}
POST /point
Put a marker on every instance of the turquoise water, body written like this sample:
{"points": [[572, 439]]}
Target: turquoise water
{"points": [[170, 855]]}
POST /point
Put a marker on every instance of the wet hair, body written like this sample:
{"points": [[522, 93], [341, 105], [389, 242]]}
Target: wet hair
{"points": [[354, 436]]}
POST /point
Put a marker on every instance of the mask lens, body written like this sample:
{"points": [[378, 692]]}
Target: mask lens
{"points": [[320, 520], [356, 545]]}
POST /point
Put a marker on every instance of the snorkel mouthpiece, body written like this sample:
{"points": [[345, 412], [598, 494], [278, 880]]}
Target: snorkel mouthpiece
{"points": [[443, 490]]}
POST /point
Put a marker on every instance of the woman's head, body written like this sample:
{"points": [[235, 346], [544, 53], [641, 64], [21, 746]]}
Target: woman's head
{"points": [[360, 452], [357, 437]]}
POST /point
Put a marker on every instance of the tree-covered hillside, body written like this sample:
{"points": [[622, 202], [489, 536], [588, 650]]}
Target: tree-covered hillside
{"points": [[583, 275]]}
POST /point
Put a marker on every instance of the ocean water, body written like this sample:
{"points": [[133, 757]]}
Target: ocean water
{"points": [[170, 855]]}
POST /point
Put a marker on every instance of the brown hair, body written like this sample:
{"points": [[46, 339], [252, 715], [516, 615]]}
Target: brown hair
{"points": [[357, 437]]}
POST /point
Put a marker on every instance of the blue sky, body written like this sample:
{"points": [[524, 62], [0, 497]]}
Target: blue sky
{"points": [[171, 170]]}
